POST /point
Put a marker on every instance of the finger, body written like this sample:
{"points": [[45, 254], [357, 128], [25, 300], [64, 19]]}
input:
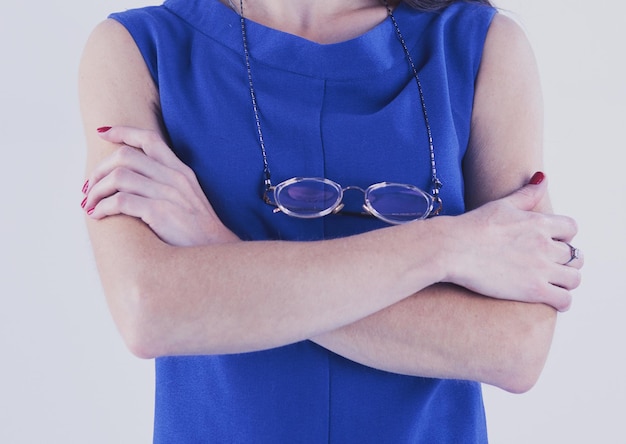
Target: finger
{"points": [[159, 215], [567, 278], [554, 295], [562, 300], [567, 228], [123, 157], [150, 142], [125, 203], [131, 159], [579, 262], [153, 146], [573, 257], [556, 227], [130, 182]]}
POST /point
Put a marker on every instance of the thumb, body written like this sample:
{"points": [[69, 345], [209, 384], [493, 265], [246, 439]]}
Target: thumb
{"points": [[529, 196]]}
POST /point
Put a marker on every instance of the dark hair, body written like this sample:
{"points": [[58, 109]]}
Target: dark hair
{"points": [[433, 5]]}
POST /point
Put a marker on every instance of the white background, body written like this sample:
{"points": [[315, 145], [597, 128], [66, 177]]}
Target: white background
{"points": [[65, 376]]}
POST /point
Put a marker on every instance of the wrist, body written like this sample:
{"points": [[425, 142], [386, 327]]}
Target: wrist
{"points": [[446, 251]]}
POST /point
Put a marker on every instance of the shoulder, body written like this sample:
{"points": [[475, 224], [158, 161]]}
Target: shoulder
{"points": [[506, 41], [120, 26], [109, 48], [508, 58], [113, 76], [127, 37], [109, 35]]}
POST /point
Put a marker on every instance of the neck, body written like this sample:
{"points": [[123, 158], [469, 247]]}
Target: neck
{"points": [[322, 21]]}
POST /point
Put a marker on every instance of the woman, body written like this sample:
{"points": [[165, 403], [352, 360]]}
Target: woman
{"points": [[273, 321]]}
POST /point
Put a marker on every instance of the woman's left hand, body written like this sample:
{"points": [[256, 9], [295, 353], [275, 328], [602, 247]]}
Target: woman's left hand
{"points": [[143, 178]]}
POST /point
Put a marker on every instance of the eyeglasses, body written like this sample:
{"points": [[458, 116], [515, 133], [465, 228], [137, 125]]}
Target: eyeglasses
{"points": [[311, 197]]}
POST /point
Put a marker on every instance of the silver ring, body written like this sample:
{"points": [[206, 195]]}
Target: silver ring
{"points": [[574, 253]]}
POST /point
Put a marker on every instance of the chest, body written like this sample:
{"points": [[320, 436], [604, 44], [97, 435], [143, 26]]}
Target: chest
{"points": [[355, 131]]}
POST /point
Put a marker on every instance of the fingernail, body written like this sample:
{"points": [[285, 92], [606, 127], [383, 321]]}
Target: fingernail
{"points": [[90, 211], [537, 178], [85, 187], [104, 129], [82, 204]]}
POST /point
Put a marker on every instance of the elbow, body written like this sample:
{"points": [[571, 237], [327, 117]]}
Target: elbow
{"points": [[138, 343], [134, 315], [140, 349], [524, 367], [520, 374], [527, 345], [519, 381]]}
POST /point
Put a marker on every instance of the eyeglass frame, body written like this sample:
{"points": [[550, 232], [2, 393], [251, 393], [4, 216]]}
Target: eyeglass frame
{"points": [[338, 205]]}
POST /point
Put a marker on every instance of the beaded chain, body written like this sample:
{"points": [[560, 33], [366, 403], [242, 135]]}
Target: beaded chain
{"points": [[436, 183]]}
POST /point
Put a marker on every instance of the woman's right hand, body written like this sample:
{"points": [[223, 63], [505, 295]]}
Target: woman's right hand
{"points": [[144, 179], [506, 250]]}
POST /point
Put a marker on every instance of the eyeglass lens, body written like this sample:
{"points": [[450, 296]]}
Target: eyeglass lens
{"points": [[398, 203], [308, 197]]}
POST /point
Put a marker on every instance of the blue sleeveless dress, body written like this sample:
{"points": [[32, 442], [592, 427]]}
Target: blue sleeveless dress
{"points": [[349, 112]]}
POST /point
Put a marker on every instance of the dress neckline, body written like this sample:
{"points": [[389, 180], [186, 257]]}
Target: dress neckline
{"points": [[373, 52]]}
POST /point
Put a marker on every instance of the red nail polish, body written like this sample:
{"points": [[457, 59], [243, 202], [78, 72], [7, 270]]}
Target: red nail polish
{"points": [[85, 187], [104, 129], [82, 204], [90, 211], [537, 178]]}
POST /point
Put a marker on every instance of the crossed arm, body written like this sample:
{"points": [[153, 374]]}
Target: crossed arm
{"points": [[185, 284]]}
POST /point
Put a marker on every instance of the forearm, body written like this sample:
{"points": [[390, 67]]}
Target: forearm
{"points": [[243, 296], [445, 331]]}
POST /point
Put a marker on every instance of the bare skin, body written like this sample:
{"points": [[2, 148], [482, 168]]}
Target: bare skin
{"points": [[321, 21], [178, 282]]}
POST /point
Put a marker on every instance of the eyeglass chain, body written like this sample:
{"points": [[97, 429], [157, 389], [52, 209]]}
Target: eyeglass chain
{"points": [[266, 170]]}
